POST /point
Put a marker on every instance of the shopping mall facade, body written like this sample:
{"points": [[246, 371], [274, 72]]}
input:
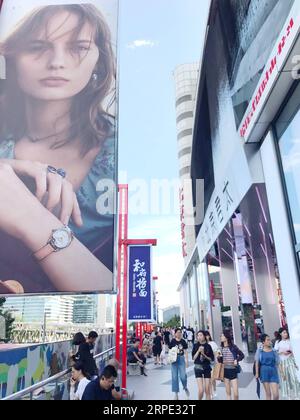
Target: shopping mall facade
{"points": [[244, 271]]}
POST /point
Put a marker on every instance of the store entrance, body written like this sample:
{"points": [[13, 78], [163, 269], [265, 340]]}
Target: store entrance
{"points": [[245, 280]]}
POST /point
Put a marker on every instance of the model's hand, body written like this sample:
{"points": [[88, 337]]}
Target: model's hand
{"points": [[20, 210], [58, 190]]}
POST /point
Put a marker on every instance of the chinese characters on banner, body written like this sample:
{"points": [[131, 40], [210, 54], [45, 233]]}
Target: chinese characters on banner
{"points": [[140, 294], [223, 204], [269, 77], [182, 220]]}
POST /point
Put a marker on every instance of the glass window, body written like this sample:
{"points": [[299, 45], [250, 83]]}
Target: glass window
{"points": [[193, 289], [184, 171], [185, 133], [183, 99], [202, 283], [185, 115], [288, 134], [185, 151]]}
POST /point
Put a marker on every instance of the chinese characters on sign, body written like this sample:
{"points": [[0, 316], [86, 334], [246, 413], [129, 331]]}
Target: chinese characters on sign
{"points": [[222, 206], [140, 281], [182, 220], [140, 290], [269, 77]]}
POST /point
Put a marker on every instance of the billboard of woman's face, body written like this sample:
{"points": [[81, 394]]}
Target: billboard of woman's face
{"points": [[58, 146]]}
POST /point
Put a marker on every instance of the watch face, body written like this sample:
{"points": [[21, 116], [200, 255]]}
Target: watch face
{"points": [[61, 238]]}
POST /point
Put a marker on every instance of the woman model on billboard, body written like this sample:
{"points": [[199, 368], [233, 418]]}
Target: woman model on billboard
{"points": [[57, 146]]}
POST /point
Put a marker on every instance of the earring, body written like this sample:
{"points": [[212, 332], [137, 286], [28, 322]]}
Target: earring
{"points": [[95, 77]]}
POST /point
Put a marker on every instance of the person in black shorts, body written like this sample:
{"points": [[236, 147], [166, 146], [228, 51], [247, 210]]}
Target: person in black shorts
{"points": [[167, 340], [157, 347], [203, 355]]}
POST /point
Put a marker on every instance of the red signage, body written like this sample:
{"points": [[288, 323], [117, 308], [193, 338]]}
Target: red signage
{"points": [[271, 67], [183, 225]]}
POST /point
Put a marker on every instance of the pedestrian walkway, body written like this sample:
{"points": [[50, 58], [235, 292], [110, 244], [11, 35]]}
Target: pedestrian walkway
{"points": [[157, 386]]}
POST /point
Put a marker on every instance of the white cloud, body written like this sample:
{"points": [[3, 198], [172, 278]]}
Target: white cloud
{"points": [[139, 43], [169, 269]]}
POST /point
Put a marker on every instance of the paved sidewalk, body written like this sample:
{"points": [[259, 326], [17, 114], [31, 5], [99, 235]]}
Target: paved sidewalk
{"points": [[157, 386]]}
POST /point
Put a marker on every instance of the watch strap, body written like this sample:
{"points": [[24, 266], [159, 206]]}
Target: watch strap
{"points": [[44, 252]]}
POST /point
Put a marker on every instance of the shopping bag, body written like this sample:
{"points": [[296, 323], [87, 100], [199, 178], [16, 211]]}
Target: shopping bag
{"points": [[163, 355], [218, 372], [172, 355]]}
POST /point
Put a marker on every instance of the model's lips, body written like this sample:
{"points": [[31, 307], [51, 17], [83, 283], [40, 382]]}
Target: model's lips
{"points": [[54, 81]]}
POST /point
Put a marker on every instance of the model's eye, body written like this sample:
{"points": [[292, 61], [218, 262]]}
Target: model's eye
{"points": [[37, 47], [77, 49]]}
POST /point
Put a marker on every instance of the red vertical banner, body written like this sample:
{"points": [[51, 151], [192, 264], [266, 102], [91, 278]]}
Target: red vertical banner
{"points": [[121, 237], [124, 317], [139, 332], [142, 333], [121, 315], [122, 282]]}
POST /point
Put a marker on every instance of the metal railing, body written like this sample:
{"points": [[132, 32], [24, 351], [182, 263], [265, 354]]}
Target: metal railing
{"points": [[56, 380]]}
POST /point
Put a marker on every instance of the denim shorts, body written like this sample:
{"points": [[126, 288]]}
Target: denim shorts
{"points": [[269, 374]]}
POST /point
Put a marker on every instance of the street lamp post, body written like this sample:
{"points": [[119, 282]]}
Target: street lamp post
{"points": [[123, 244]]}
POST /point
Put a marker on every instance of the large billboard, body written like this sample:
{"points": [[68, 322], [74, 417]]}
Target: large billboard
{"points": [[58, 146]]}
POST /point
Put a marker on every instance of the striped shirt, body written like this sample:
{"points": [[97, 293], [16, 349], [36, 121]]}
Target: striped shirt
{"points": [[228, 358]]}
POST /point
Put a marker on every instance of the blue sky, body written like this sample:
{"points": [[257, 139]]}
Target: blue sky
{"points": [[155, 37]]}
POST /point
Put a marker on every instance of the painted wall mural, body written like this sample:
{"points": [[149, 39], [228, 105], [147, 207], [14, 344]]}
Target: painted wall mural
{"points": [[22, 367], [26, 366]]}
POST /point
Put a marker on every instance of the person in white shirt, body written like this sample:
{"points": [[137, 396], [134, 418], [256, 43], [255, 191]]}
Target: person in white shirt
{"points": [[215, 349], [78, 378], [290, 386], [190, 336]]}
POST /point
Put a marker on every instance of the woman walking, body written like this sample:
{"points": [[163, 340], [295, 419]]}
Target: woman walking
{"points": [[230, 357], [267, 363], [290, 386], [179, 366], [215, 349], [157, 347], [203, 355]]}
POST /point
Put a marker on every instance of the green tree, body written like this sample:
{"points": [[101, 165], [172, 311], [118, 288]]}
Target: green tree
{"points": [[9, 320], [173, 323]]}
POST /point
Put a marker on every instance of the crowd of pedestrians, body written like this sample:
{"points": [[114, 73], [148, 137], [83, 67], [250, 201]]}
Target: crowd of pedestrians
{"points": [[274, 367]]}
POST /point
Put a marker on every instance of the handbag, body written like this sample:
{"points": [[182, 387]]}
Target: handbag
{"points": [[172, 355], [239, 369], [218, 372]]}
